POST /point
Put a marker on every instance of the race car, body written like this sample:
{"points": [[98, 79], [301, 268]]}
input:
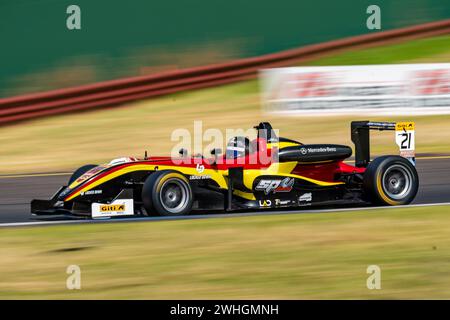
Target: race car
{"points": [[267, 172]]}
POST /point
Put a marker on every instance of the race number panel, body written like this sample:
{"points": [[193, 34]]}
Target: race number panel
{"points": [[405, 138]]}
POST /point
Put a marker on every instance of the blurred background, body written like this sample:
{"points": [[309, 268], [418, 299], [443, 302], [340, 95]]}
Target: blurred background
{"points": [[265, 257], [141, 38], [138, 37]]}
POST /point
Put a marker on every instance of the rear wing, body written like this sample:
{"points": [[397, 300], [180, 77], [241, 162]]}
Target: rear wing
{"points": [[404, 138]]}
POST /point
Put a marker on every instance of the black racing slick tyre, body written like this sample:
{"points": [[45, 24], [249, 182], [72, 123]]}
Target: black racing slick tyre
{"points": [[80, 171], [390, 180], [167, 193]]}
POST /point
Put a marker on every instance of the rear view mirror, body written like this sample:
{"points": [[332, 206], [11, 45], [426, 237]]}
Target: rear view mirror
{"points": [[183, 152], [216, 152]]}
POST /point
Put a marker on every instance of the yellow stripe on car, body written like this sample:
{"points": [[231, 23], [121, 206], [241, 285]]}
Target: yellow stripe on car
{"points": [[245, 195], [216, 175], [283, 144], [277, 169]]}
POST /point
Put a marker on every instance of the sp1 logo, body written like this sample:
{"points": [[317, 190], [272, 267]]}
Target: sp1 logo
{"points": [[268, 186]]}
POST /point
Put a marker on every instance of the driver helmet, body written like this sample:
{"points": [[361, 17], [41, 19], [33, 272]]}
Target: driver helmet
{"points": [[237, 147]]}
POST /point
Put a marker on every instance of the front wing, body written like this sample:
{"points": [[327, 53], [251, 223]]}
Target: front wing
{"points": [[122, 205]]}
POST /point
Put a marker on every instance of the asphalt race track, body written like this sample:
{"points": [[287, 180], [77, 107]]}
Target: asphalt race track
{"points": [[17, 191]]}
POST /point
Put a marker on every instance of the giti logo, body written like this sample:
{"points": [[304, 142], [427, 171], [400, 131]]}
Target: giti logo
{"points": [[404, 126], [112, 207]]}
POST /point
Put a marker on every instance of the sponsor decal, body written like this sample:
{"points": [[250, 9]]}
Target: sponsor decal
{"points": [[200, 177], [279, 202], [400, 126], [377, 89], [112, 207], [275, 185], [90, 173], [200, 168], [306, 197], [407, 154], [405, 139], [119, 207], [265, 203], [91, 192], [318, 150]]}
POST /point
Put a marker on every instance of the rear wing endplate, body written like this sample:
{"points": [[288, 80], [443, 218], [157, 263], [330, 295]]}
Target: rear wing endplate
{"points": [[404, 138]]}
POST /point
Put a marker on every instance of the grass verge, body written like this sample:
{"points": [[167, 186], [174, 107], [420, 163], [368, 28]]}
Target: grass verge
{"points": [[65, 142], [309, 256]]}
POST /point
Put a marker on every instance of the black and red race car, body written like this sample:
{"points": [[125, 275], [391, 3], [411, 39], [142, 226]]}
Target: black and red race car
{"points": [[268, 172]]}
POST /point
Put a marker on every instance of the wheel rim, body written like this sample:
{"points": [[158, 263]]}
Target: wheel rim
{"points": [[397, 182], [174, 195]]}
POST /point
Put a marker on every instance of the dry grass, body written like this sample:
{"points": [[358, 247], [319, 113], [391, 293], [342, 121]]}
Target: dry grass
{"points": [[266, 257]]}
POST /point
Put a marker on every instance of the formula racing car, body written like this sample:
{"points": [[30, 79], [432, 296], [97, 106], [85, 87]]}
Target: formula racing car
{"points": [[267, 172]]}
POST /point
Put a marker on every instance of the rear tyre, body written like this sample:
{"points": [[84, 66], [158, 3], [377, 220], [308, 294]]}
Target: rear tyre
{"points": [[167, 193], [391, 180], [79, 172]]}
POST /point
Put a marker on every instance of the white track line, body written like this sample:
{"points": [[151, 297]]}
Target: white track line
{"points": [[218, 215]]}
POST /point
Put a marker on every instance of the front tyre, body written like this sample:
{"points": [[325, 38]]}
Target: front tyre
{"points": [[391, 180], [167, 193]]}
